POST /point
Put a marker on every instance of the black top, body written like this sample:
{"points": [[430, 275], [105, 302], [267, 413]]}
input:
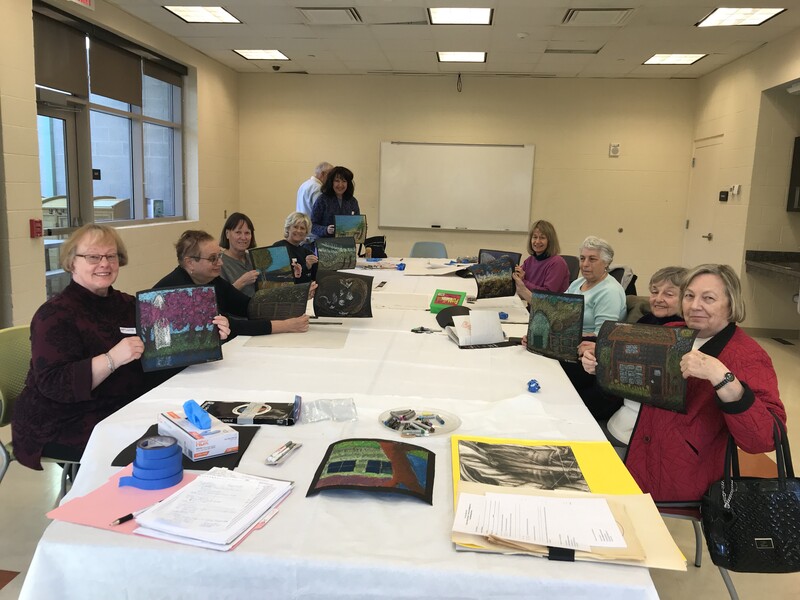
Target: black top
{"points": [[231, 302], [300, 253]]}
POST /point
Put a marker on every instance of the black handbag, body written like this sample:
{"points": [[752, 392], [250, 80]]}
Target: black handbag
{"points": [[752, 524]]}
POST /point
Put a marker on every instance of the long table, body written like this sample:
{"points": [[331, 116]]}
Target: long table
{"points": [[342, 544]]}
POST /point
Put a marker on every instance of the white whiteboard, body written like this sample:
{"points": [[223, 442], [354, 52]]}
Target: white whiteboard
{"points": [[456, 186]]}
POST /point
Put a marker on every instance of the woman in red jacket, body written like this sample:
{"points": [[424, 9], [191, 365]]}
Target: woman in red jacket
{"points": [[731, 388]]}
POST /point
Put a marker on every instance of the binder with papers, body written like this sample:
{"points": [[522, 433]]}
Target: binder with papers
{"points": [[216, 510]]}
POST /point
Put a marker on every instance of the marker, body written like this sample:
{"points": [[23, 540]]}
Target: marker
{"points": [[282, 452], [131, 516], [436, 226]]}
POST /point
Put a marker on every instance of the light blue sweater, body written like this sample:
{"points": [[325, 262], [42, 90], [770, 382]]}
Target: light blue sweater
{"points": [[604, 302]]}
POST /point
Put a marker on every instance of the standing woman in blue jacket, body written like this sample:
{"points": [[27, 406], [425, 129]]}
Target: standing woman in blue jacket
{"points": [[336, 199]]}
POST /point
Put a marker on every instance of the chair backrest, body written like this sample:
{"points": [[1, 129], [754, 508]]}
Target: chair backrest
{"points": [[428, 250], [574, 266], [487, 256], [15, 348], [624, 274]]}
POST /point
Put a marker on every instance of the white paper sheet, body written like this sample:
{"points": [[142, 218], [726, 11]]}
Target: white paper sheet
{"points": [[576, 523]]}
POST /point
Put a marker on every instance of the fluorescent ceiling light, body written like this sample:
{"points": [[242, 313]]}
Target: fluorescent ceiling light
{"points": [[674, 59], [203, 14], [726, 17], [262, 54], [460, 16], [472, 57]]}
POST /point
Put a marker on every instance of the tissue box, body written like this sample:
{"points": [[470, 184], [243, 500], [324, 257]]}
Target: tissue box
{"points": [[196, 443]]}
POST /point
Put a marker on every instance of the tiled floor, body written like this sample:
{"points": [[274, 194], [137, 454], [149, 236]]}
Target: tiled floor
{"points": [[26, 496]]}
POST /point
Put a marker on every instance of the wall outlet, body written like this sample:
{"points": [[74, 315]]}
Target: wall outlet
{"points": [[613, 150]]}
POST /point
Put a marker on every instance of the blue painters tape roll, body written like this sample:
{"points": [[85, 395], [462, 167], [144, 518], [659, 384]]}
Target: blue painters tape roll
{"points": [[158, 464], [151, 484], [503, 315], [144, 461], [157, 446]]}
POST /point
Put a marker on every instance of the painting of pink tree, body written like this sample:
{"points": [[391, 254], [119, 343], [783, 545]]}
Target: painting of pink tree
{"points": [[175, 326]]}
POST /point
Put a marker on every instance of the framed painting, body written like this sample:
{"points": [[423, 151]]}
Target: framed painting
{"points": [[494, 278], [643, 363], [175, 326], [376, 466], [354, 226], [273, 265], [336, 253], [343, 295], [487, 256], [279, 303], [555, 325]]}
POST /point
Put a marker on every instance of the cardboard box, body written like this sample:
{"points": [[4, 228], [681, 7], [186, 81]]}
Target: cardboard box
{"points": [[196, 443]]}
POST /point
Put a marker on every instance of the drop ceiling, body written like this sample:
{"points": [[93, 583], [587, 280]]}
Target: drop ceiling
{"points": [[527, 38]]}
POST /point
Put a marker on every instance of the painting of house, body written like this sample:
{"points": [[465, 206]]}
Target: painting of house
{"points": [[555, 325], [643, 363], [376, 465]]}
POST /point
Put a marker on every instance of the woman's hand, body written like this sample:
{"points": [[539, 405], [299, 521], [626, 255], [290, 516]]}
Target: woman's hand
{"points": [[584, 346], [223, 326], [246, 279], [311, 260], [312, 289], [524, 341], [522, 290], [331, 229], [702, 366], [296, 325], [589, 361], [127, 350], [297, 269]]}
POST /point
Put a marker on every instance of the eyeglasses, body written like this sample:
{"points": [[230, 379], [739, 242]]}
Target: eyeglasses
{"points": [[212, 259], [94, 259]]}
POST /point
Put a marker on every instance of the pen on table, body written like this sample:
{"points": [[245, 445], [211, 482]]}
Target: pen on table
{"points": [[131, 516]]}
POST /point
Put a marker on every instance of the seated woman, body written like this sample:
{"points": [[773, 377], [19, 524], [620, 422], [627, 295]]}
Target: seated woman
{"points": [[199, 263], [85, 353], [731, 388], [544, 269], [664, 301], [603, 300], [295, 230], [336, 199], [237, 237]]}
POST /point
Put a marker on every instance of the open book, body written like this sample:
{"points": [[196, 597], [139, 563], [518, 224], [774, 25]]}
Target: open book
{"points": [[479, 329], [216, 510]]}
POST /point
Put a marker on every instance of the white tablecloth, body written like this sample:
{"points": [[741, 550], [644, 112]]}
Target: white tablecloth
{"points": [[341, 544]]}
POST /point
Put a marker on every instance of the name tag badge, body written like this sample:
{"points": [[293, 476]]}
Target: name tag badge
{"points": [[127, 330]]}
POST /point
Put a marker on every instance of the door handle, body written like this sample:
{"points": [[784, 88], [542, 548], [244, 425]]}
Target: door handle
{"points": [[709, 237]]}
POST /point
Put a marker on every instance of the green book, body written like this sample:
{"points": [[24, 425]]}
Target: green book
{"points": [[445, 298]]}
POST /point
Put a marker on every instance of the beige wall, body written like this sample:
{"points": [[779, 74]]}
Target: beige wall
{"points": [[211, 163], [294, 122], [758, 125]]}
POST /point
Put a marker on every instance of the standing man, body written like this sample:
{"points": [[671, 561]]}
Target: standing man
{"points": [[308, 192]]}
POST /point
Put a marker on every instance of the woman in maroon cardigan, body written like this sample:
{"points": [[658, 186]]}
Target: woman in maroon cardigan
{"points": [[85, 353], [731, 388]]}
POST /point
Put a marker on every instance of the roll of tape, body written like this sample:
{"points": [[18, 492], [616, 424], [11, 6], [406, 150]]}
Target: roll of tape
{"points": [[158, 464], [157, 446]]}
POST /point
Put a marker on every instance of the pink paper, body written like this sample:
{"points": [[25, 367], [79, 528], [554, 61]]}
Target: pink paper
{"points": [[110, 502]]}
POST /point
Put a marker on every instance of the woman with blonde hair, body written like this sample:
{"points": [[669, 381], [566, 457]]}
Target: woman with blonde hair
{"points": [[544, 269], [85, 353], [295, 230]]}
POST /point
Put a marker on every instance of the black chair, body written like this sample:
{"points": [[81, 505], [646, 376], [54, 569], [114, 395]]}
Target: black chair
{"points": [[624, 274], [574, 266]]}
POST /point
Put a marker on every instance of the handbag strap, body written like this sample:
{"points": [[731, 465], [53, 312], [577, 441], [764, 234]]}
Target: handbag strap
{"points": [[783, 455]]}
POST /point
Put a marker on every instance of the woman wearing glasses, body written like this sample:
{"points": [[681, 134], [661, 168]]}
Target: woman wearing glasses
{"points": [[85, 353], [200, 263]]}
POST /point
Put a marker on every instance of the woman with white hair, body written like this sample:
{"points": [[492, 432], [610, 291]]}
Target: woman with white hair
{"points": [[295, 230], [603, 296]]}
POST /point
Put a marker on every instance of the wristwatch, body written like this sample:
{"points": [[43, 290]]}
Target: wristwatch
{"points": [[725, 381]]}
